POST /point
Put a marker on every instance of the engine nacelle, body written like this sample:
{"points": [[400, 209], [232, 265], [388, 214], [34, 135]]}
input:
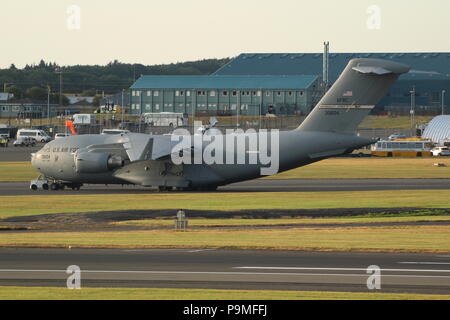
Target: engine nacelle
{"points": [[94, 162]]}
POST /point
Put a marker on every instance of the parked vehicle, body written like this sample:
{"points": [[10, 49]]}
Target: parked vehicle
{"points": [[39, 135], [165, 119], [62, 135], [25, 142], [440, 151], [114, 131], [84, 118], [402, 148]]}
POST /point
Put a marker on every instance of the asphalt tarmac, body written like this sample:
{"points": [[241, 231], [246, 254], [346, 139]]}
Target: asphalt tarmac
{"points": [[12, 153], [259, 185], [227, 269]]}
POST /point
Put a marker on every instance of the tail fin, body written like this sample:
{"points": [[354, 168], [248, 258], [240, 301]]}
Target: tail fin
{"points": [[358, 89]]}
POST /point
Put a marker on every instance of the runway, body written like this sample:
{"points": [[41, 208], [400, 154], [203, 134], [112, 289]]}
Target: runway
{"points": [[226, 269], [259, 185]]}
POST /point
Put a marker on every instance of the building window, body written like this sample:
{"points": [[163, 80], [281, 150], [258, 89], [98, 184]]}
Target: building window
{"points": [[133, 106], [133, 93], [268, 94], [138, 106], [157, 106], [181, 93], [301, 93], [224, 93], [188, 93], [5, 108], [155, 93], [212, 93], [16, 108], [177, 93], [290, 93], [149, 93], [279, 93], [138, 93], [234, 93], [147, 106], [258, 93], [201, 93]]}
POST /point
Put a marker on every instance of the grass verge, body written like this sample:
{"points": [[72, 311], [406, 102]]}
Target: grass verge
{"points": [[280, 222], [58, 203], [52, 293], [381, 239], [370, 168]]}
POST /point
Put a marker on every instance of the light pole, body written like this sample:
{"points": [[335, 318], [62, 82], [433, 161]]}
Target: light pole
{"points": [[121, 109], [48, 105], [60, 86], [443, 93], [411, 112]]}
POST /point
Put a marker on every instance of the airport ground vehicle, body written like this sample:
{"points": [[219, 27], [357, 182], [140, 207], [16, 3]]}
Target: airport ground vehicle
{"points": [[164, 119], [440, 151], [39, 135], [84, 118], [25, 142], [39, 184], [402, 148]]}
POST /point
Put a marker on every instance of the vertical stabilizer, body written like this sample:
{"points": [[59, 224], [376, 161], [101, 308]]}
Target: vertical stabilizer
{"points": [[355, 93]]}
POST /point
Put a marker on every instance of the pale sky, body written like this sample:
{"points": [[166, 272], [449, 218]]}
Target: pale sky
{"points": [[165, 31]]}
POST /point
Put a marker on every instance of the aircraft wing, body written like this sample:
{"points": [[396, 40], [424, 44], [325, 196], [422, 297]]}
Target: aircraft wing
{"points": [[148, 147]]}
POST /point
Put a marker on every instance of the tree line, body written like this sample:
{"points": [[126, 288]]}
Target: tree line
{"points": [[33, 81]]}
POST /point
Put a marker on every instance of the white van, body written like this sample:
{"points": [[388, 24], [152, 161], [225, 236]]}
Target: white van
{"points": [[39, 135]]}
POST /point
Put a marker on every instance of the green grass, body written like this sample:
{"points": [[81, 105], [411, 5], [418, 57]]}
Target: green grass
{"points": [[17, 171], [388, 122], [52, 293], [378, 239], [334, 168], [40, 204], [370, 168]]}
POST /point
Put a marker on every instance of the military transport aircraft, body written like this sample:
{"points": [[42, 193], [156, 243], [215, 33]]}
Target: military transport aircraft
{"points": [[164, 162]]}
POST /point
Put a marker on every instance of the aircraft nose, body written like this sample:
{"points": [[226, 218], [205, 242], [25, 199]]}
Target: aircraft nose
{"points": [[36, 160]]}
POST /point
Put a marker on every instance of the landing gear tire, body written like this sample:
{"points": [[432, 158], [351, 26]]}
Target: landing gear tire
{"points": [[34, 187], [54, 186], [76, 188], [45, 186]]}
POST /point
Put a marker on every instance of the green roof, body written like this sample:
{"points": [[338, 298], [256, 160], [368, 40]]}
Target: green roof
{"points": [[424, 65], [225, 82]]}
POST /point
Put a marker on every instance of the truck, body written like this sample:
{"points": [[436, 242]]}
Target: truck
{"points": [[84, 118]]}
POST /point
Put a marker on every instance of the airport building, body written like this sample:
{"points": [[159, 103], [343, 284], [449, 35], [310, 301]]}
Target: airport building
{"points": [[429, 75], [438, 129], [25, 110], [226, 95]]}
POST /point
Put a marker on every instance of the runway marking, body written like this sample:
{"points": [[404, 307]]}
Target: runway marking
{"points": [[228, 273], [341, 269], [424, 262], [200, 250]]}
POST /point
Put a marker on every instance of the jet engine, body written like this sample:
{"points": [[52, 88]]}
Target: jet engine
{"points": [[97, 162]]}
